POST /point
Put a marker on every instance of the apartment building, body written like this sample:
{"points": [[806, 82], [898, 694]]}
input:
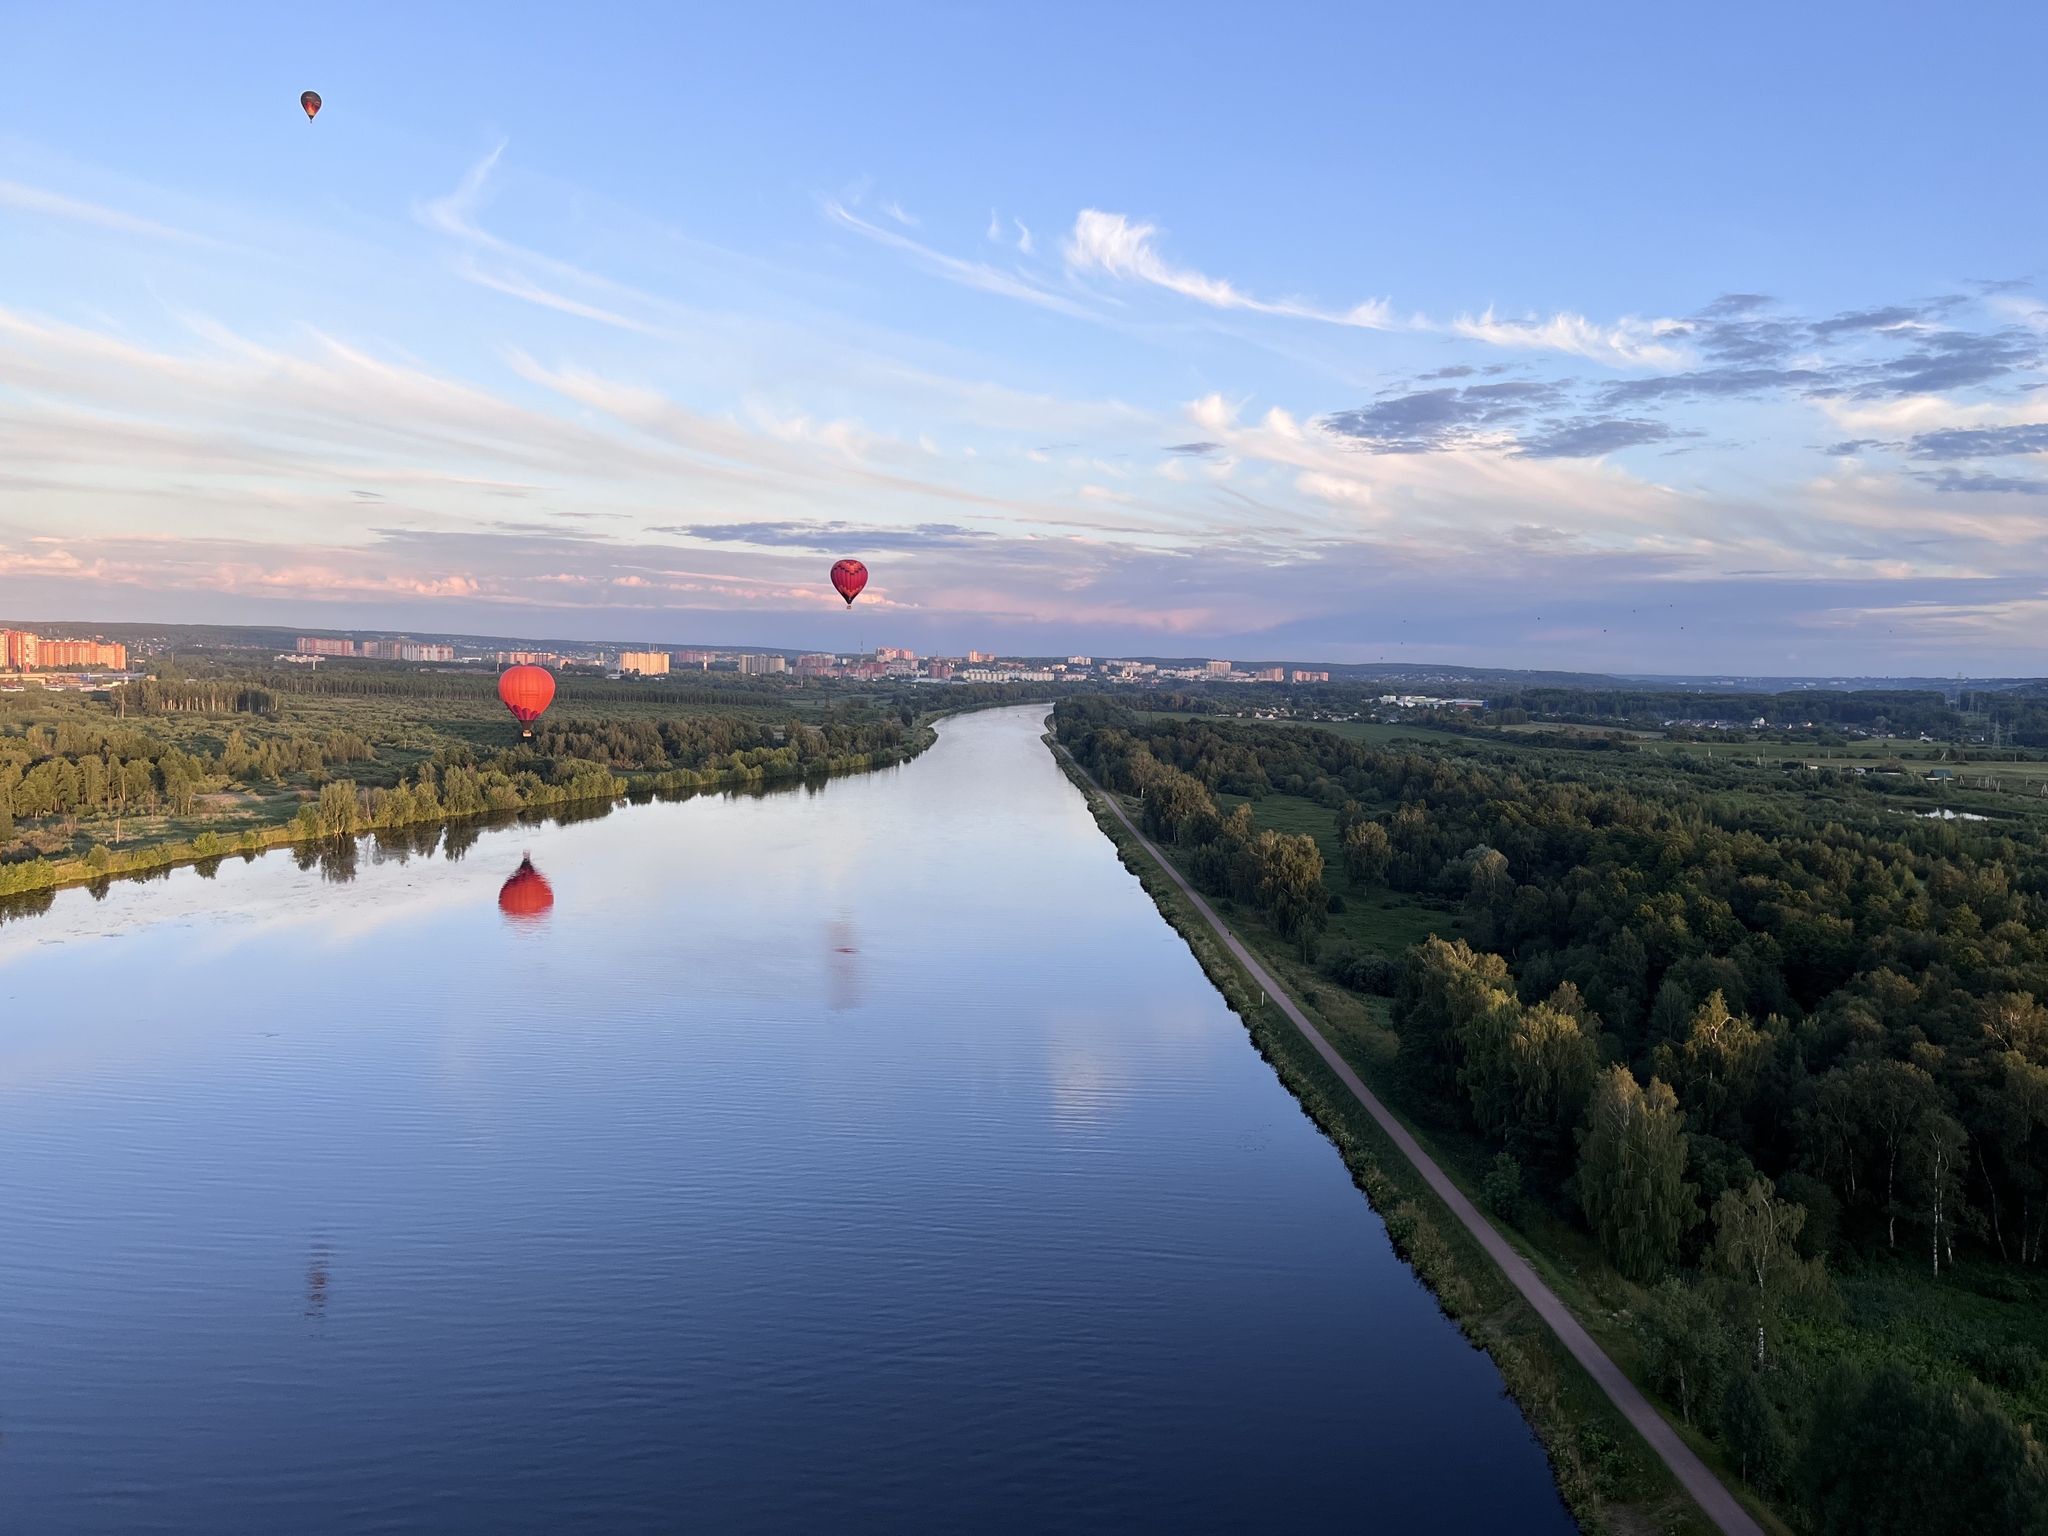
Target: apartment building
{"points": [[28, 652]]}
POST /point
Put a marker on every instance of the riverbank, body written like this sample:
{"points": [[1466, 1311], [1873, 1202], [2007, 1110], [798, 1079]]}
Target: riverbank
{"points": [[206, 759], [1610, 1477], [343, 810]]}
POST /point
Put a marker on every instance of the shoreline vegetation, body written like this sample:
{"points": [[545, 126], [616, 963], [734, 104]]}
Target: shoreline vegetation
{"points": [[1744, 1068], [195, 766], [344, 810]]}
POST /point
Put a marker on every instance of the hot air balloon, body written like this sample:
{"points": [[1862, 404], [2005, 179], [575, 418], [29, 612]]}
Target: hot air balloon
{"points": [[527, 896], [527, 692], [849, 576], [310, 100]]}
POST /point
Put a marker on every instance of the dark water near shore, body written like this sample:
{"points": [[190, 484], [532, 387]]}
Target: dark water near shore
{"points": [[871, 1158]]}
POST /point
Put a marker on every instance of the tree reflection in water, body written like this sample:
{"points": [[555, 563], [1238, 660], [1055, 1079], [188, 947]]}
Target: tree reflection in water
{"points": [[316, 1282]]}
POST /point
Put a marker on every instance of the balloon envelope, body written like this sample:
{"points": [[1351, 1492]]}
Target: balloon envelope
{"points": [[527, 895], [527, 691], [849, 576], [310, 100]]}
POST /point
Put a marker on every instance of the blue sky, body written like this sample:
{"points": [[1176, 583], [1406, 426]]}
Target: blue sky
{"points": [[1610, 337]]}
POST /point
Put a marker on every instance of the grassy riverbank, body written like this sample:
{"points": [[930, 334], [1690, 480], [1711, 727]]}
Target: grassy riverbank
{"points": [[1607, 1475]]}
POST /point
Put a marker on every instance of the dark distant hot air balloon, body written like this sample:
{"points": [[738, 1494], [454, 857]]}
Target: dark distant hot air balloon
{"points": [[849, 576], [527, 896], [527, 692], [310, 100]]}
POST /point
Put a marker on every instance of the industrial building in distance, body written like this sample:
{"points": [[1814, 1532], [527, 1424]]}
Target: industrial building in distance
{"points": [[377, 650]]}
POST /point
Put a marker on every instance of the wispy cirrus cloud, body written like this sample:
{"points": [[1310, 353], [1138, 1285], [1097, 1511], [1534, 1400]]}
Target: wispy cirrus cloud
{"points": [[55, 205], [455, 214], [520, 287], [1119, 247], [830, 535], [1623, 344], [971, 274]]}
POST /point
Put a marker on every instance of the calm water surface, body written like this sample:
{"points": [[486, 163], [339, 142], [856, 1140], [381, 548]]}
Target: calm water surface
{"points": [[865, 1159]]}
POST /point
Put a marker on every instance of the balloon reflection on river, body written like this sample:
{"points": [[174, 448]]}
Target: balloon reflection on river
{"points": [[842, 966], [526, 897]]}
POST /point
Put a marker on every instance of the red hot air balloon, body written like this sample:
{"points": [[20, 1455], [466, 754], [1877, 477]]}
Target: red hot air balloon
{"points": [[310, 100], [527, 692], [527, 896], [849, 576]]}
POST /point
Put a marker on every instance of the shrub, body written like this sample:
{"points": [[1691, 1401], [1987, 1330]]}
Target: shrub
{"points": [[1893, 1454], [1754, 1431], [2015, 1367], [1501, 1190], [1369, 972]]}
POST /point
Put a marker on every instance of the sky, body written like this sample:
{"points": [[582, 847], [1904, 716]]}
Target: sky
{"points": [[1626, 338]]}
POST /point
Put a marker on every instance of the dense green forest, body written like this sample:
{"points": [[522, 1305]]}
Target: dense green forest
{"points": [[1775, 1046]]}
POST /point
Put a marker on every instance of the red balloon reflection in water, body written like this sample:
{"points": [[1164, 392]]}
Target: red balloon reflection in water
{"points": [[848, 577], [526, 897], [842, 967], [310, 100], [527, 691]]}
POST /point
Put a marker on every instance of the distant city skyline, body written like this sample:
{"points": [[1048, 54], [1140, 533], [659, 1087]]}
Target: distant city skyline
{"points": [[1594, 341]]}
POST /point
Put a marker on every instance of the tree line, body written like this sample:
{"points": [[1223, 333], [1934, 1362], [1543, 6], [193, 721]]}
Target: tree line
{"points": [[206, 695], [1278, 873], [701, 741], [1900, 712], [2020, 715], [448, 790], [75, 770]]}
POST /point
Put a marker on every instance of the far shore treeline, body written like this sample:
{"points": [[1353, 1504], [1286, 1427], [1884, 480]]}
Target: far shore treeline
{"points": [[199, 761], [1771, 1052]]}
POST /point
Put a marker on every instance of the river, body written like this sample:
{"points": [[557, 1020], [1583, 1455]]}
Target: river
{"points": [[865, 1158]]}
